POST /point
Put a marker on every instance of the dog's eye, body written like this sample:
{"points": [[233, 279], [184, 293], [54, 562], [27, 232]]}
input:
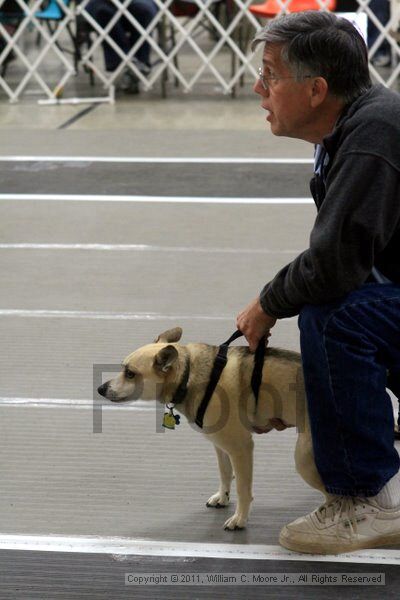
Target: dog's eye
{"points": [[129, 374]]}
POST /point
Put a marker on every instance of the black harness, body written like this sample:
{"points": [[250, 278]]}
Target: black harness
{"points": [[219, 364]]}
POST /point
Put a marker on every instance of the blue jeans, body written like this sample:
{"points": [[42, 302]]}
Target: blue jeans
{"points": [[381, 9], [124, 33], [351, 352]]}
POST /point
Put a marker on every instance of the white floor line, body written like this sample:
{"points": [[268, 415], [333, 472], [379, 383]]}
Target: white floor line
{"points": [[150, 199], [78, 314], [127, 546], [81, 403], [143, 248], [158, 159]]}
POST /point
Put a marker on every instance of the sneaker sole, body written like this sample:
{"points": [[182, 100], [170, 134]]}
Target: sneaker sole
{"points": [[339, 547]]}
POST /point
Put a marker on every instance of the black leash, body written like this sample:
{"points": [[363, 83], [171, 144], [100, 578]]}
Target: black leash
{"points": [[219, 365]]}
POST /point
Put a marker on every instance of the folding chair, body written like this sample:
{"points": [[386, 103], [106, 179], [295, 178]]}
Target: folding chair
{"points": [[272, 8], [53, 14], [188, 9]]}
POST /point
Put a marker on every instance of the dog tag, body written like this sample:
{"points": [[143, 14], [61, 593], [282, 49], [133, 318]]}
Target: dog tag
{"points": [[169, 421]]}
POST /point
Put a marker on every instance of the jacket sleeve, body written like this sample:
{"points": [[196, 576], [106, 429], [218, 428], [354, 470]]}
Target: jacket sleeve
{"points": [[357, 218]]}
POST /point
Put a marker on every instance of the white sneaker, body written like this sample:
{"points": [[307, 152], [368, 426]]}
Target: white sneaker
{"points": [[381, 60], [343, 525], [128, 82]]}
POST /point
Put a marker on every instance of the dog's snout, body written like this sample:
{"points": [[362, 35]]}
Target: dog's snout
{"points": [[102, 390]]}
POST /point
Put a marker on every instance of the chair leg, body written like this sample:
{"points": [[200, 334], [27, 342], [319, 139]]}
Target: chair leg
{"points": [[161, 42], [175, 59], [39, 36], [86, 68], [91, 77], [3, 66], [76, 52], [240, 43], [167, 41], [233, 71]]}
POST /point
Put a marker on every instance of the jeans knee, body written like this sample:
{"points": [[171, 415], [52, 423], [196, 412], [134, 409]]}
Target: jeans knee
{"points": [[144, 10]]}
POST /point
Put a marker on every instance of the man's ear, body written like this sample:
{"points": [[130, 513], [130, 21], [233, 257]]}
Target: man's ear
{"points": [[319, 91], [170, 336], [165, 358]]}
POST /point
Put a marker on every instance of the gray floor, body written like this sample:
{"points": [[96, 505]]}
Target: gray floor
{"points": [[208, 180], [75, 577], [70, 308]]}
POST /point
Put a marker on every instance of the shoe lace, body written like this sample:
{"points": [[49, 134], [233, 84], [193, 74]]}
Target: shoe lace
{"points": [[341, 510]]}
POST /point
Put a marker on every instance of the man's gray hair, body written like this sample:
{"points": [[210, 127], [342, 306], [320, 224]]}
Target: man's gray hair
{"points": [[318, 43]]}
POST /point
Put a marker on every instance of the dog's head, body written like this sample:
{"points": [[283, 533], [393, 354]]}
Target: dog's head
{"points": [[144, 369]]}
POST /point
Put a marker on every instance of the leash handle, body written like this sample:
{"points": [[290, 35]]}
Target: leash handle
{"points": [[259, 355], [233, 337], [239, 334]]}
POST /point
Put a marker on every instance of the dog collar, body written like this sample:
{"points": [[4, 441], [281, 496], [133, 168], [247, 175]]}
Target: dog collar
{"points": [[181, 390], [170, 418]]}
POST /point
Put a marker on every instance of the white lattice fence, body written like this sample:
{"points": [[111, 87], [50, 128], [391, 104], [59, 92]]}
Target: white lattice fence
{"points": [[205, 46], [15, 27], [164, 55]]}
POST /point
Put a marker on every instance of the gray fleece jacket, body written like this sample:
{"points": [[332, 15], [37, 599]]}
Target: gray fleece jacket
{"points": [[358, 222]]}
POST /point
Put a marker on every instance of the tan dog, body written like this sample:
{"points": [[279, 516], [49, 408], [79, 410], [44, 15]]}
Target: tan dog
{"points": [[157, 371]]}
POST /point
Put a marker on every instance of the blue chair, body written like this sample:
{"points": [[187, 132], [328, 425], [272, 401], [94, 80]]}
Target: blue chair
{"points": [[52, 11]]}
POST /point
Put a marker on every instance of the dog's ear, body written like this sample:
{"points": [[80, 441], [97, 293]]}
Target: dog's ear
{"points": [[165, 358], [170, 336]]}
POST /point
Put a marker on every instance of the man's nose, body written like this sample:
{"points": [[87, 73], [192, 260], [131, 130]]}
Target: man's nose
{"points": [[259, 89]]}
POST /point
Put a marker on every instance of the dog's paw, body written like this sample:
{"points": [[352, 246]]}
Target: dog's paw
{"points": [[235, 522], [218, 500]]}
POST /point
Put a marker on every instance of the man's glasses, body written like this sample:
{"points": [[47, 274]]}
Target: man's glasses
{"points": [[265, 81]]}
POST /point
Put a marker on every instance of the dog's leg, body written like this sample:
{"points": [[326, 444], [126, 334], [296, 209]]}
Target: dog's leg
{"points": [[221, 498], [242, 462]]}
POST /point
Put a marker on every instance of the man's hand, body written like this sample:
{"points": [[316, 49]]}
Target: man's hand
{"points": [[254, 322]]}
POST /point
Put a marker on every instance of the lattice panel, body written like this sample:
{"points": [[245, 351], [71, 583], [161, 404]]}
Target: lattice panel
{"points": [[211, 44]]}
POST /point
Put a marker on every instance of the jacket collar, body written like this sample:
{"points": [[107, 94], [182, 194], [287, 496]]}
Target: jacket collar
{"points": [[332, 140]]}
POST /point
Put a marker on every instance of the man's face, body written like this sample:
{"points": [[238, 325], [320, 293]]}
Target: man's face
{"points": [[287, 100]]}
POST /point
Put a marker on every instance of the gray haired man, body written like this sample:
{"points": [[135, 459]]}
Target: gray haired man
{"points": [[315, 86]]}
